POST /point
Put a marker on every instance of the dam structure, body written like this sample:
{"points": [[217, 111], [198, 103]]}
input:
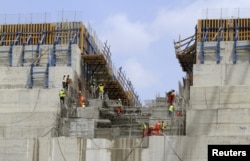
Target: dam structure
{"points": [[211, 104]]}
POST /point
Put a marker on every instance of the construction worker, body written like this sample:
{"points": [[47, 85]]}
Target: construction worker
{"points": [[81, 99], [144, 129], [171, 97], [150, 130], [163, 126], [62, 96], [158, 127], [119, 109], [68, 81], [170, 110], [101, 90], [64, 81]]}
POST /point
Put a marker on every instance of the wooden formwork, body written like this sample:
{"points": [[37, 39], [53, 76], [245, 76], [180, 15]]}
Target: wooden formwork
{"points": [[243, 28], [66, 30], [228, 28], [25, 31]]}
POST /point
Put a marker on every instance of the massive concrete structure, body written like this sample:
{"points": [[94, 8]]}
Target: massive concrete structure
{"points": [[216, 64], [34, 126]]}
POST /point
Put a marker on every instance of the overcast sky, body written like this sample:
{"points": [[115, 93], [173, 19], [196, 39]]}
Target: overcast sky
{"points": [[140, 32]]}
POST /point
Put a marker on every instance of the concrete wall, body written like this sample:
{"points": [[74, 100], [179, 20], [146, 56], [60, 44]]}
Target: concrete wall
{"points": [[77, 127], [221, 74], [216, 97], [219, 109], [28, 112], [226, 52], [174, 148], [24, 112], [225, 73], [219, 97]]}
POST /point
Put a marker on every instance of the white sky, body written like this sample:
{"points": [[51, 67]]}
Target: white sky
{"points": [[140, 32]]}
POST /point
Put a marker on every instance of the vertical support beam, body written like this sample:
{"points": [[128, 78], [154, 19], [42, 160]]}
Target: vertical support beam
{"points": [[75, 38], [31, 76], [235, 43], [57, 40], [69, 53], [47, 76], [22, 55], [17, 38], [202, 56], [218, 52], [54, 54], [218, 45], [29, 40], [235, 51], [10, 53], [38, 52], [3, 39], [204, 38]]}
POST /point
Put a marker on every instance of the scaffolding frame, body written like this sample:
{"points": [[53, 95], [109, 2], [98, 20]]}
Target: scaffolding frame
{"points": [[96, 59], [99, 67]]}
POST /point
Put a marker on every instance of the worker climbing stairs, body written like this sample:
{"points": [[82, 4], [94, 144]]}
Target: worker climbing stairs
{"points": [[107, 123]]}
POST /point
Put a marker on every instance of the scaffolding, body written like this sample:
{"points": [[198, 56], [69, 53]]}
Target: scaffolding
{"points": [[96, 56], [101, 69], [209, 33]]}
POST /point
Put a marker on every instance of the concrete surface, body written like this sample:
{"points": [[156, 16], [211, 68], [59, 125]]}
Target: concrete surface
{"points": [[217, 113]]}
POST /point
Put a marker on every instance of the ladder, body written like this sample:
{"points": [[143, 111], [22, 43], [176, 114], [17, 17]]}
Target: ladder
{"points": [[39, 76]]}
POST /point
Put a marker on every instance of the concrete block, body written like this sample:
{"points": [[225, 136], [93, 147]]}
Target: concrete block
{"points": [[77, 127], [214, 97], [36, 124], [95, 102], [29, 97], [187, 148], [202, 116], [234, 116], [17, 149], [224, 73], [14, 77], [226, 50], [88, 113], [205, 97], [218, 129], [103, 133]]}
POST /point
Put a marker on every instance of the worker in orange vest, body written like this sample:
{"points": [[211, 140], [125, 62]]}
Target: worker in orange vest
{"points": [[150, 130], [81, 99], [158, 127]]}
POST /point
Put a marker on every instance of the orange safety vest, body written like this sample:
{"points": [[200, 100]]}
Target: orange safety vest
{"points": [[158, 126], [81, 98]]}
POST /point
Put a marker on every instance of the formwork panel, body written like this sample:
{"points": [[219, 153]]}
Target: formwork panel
{"points": [[230, 28], [65, 29]]}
